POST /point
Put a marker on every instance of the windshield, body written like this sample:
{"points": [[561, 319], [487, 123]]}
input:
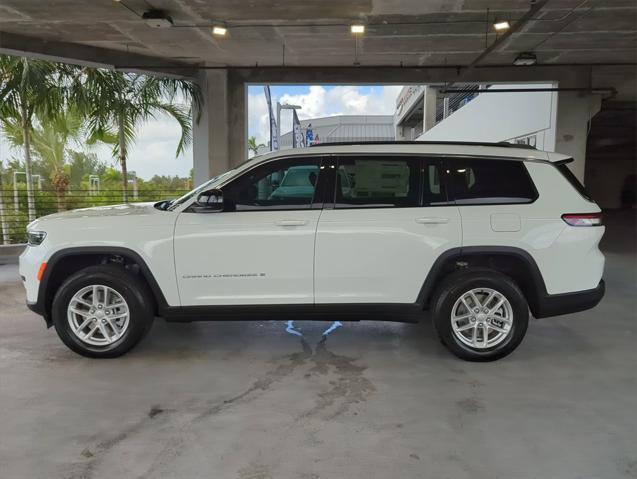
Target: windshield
{"points": [[208, 184]]}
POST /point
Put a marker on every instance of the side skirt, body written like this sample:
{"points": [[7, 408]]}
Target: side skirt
{"points": [[397, 312]]}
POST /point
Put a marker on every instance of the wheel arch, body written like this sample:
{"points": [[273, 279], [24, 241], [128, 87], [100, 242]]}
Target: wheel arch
{"points": [[70, 260], [514, 262]]}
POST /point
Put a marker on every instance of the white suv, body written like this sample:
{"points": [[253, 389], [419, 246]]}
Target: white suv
{"points": [[478, 234]]}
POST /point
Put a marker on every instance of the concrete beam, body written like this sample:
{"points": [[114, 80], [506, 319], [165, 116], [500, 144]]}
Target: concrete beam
{"points": [[568, 76], [20, 45]]}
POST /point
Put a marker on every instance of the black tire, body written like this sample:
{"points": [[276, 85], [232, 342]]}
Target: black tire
{"points": [[462, 281], [130, 286]]}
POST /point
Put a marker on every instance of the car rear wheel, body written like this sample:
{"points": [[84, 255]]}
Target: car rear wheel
{"points": [[480, 315], [102, 311]]}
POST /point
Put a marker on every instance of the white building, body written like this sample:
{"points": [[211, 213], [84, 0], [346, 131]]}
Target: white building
{"points": [[559, 121], [530, 118], [331, 129]]}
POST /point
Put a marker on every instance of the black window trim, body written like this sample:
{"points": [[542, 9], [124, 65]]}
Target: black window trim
{"points": [[329, 161], [444, 166]]}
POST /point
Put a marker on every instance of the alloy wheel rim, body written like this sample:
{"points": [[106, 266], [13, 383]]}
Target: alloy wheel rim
{"points": [[98, 315], [482, 318]]}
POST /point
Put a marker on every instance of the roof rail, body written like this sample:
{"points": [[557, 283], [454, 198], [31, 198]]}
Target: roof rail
{"points": [[504, 144]]}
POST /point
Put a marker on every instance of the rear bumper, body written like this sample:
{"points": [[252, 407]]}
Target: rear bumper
{"points": [[558, 304]]}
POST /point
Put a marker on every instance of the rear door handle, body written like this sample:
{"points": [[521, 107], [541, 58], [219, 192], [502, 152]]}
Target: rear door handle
{"points": [[291, 222], [432, 221]]}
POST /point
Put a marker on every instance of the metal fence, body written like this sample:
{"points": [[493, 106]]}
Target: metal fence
{"points": [[14, 215]]}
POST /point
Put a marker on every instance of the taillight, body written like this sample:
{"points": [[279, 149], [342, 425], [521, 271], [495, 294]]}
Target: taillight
{"points": [[583, 219]]}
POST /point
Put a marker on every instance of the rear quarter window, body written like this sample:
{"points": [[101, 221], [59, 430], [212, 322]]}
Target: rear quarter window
{"points": [[489, 181]]}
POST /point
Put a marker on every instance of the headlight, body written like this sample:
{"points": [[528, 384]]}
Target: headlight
{"points": [[35, 237]]}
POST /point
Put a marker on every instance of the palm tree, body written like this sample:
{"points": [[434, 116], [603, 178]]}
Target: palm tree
{"points": [[29, 87], [115, 103], [50, 140], [51, 143], [252, 145]]}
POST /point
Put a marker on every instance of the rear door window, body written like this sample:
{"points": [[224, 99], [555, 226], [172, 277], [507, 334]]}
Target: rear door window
{"points": [[489, 181], [377, 182]]}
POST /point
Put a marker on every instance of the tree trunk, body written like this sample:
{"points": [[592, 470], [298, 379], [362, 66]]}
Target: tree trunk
{"points": [[3, 219], [60, 201], [122, 158], [26, 132]]}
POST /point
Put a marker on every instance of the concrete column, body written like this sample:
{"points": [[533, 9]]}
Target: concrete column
{"points": [[238, 119], [219, 138], [445, 110], [574, 112], [429, 108]]}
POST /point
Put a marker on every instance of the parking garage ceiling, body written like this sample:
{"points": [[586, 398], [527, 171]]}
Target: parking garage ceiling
{"points": [[317, 33]]}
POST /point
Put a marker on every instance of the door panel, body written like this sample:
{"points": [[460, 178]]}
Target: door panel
{"points": [[378, 243], [260, 249], [245, 257], [379, 255]]}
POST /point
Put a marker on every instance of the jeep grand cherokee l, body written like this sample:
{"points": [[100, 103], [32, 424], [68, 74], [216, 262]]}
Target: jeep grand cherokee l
{"points": [[478, 235]]}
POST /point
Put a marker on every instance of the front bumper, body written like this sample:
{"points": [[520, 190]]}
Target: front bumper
{"points": [[38, 308], [558, 304]]}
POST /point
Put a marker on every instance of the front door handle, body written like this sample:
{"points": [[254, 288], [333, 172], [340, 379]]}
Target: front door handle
{"points": [[432, 221], [291, 222]]}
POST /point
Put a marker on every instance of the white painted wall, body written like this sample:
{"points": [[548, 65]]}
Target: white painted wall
{"points": [[559, 120], [502, 116], [574, 113]]}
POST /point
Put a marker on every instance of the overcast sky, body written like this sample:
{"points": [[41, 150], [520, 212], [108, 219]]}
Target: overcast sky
{"points": [[154, 151]]}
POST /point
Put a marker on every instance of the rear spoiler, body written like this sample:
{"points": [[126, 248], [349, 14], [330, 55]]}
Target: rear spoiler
{"points": [[565, 161]]}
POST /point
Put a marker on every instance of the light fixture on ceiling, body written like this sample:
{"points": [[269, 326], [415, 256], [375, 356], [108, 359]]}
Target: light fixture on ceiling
{"points": [[358, 28], [157, 19], [501, 26], [525, 59], [219, 31]]}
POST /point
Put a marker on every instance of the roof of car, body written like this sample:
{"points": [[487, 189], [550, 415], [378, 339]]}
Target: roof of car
{"points": [[502, 150]]}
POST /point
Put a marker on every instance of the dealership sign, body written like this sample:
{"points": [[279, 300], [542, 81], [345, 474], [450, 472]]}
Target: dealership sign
{"points": [[406, 98]]}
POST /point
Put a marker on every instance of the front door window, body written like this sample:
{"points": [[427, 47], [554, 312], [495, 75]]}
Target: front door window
{"points": [[287, 184]]}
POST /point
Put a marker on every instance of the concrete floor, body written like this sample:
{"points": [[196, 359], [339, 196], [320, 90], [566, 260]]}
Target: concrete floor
{"points": [[250, 401]]}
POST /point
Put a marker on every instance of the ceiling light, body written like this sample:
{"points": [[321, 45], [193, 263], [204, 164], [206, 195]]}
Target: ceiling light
{"points": [[501, 26], [219, 30], [525, 59], [358, 28]]}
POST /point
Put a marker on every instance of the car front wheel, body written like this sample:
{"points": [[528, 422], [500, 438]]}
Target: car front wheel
{"points": [[102, 311]]}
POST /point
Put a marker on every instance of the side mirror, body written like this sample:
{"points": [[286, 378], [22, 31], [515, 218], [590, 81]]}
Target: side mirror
{"points": [[210, 201]]}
